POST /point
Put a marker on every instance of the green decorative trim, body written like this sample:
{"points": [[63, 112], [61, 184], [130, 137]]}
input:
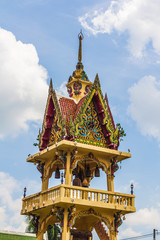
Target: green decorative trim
{"points": [[107, 120]]}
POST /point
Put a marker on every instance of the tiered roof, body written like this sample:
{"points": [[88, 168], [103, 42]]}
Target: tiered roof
{"points": [[84, 117]]}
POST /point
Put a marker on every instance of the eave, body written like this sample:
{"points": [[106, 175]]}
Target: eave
{"points": [[65, 145]]}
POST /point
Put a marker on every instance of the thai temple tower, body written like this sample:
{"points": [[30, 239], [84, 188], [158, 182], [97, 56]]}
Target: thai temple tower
{"points": [[78, 139]]}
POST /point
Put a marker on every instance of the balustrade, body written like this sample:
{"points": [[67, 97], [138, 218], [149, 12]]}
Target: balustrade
{"points": [[78, 195]]}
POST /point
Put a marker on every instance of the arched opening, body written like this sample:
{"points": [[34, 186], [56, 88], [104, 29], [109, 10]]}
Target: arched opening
{"points": [[88, 171], [89, 220], [56, 174]]}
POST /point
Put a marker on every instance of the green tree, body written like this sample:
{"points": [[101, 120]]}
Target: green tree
{"points": [[52, 231], [30, 228], [121, 131], [36, 144]]}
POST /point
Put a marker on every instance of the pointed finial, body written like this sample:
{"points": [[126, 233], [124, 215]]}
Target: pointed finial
{"points": [[106, 98], [96, 81], [80, 36], [50, 85]]}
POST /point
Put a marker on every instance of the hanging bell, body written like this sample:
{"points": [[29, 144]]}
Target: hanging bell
{"points": [[77, 182], [97, 172], [88, 172], [85, 183], [57, 173]]}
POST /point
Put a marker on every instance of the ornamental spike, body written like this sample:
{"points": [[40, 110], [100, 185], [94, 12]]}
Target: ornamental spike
{"points": [[51, 86], [80, 37], [96, 81]]}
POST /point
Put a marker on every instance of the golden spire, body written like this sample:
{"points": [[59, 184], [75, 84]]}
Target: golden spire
{"points": [[80, 36]]}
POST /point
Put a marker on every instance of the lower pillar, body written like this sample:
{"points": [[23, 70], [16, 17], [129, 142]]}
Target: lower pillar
{"points": [[39, 236], [65, 229], [113, 235]]}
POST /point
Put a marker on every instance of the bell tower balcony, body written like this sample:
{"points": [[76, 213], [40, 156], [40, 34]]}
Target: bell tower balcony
{"points": [[79, 196], [81, 203]]}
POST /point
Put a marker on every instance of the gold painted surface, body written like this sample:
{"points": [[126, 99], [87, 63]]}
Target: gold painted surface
{"points": [[90, 130], [82, 148], [80, 196], [55, 134]]}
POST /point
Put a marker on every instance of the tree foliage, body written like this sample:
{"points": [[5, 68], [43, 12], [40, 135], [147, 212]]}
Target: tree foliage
{"points": [[36, 144], [52, 231], [121, 131], [30, 228]]}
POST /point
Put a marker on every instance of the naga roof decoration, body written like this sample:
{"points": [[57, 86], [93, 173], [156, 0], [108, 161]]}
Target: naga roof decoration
{"points": [[85, 116]]}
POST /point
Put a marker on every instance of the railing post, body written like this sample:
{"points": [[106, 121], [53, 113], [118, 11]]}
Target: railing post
{"points": [[98, 197], [41, 200], [132, 202], [61, 192], [87, 195]]}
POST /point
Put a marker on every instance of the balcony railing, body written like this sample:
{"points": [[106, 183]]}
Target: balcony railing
{"points": [[81, 196]]}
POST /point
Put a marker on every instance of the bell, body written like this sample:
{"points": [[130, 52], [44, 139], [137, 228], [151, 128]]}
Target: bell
{"points": [[85, 183], [97, 172], [77, 182], [57, 173], [88, 172]]}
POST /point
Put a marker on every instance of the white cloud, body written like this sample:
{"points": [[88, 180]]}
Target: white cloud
{"points": [[23, 87], [10, 218], [63, 89], [144, 106], [127, 187], [11, 202], [139, 223], [144, 218], [128, 232], [139, 18]]}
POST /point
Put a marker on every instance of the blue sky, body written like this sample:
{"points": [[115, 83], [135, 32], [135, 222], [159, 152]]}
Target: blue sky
{"points": [[38, 40]]}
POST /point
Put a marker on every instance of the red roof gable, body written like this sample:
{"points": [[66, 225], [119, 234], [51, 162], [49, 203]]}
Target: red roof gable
{"points": [[69, 107]]}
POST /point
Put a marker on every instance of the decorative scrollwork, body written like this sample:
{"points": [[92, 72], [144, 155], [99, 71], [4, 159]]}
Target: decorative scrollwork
{"points": [[69, 90], [117, 221], [77, 87], [57, 132], [84, 76], [114, 166], [87, 89], [60, 215], [90, 131], [90, 156], [61, 156], [70, 212], [40, 168], [73, 157], [90, 211]]}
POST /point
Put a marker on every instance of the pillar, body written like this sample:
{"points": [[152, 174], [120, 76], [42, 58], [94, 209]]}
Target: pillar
{"points": [[45, 184], [113, 235], [65, 229], [39, 236], [68, 174], [110, 183]]}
